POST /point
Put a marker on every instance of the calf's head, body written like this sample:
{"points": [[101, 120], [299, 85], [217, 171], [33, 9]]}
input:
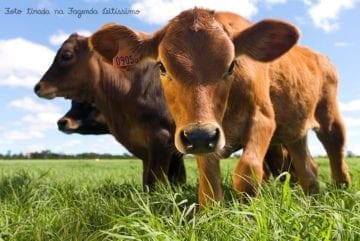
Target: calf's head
{"points": [[70, 71], [83, 118], [197, 61]]}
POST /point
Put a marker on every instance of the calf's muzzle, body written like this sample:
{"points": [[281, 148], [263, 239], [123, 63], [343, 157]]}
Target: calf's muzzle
{"points": [[200, 138], [66, 125], [37, 88]]}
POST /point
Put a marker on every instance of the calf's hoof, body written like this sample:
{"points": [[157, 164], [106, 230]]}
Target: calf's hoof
{"points": [[312, 188], [343, 182]]}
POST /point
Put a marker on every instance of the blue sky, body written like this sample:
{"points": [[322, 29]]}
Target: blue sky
{"points": [[28, 44]]}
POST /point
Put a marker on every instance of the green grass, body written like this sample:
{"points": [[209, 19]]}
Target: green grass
{"points": [[89, 200]]}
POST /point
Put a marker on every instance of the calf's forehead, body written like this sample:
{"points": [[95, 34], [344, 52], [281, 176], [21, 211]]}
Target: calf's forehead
{"points": [[69, 44], [74, 42], [197, 47]]}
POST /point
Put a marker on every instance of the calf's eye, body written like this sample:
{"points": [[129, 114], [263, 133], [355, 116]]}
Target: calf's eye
{"points": [[162, 69], [66, 56], [231, 68]]}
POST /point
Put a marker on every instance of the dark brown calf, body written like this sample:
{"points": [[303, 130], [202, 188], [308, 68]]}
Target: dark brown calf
{"points": [[219, 82], [83, 118], [86, 119], [132, 103]]}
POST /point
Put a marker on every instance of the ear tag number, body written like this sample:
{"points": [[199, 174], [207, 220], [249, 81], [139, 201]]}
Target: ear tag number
{"points": [[124, 59]]}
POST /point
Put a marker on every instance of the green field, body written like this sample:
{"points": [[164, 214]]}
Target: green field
{"points": [[103, 200]]}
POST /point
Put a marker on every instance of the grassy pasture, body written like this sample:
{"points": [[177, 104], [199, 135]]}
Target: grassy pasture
{"points": [[103, 200]]}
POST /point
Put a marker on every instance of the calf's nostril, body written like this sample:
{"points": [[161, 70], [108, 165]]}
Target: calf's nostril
{"points": [[214, 137], [37, 88], [62, 123], [185, 140]]}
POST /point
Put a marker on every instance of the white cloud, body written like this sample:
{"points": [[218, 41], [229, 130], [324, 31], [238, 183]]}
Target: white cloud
{"points": [[271, 3], [160, 11], [275, 1], [17, 135], [60, 36], [42, 118], [29, 104], [308, 2], [23, 62], [325, 13], [64, 147], [45, 4], [34, 148], [41, 121], [108, 144], [30, 127], [353, 105]]}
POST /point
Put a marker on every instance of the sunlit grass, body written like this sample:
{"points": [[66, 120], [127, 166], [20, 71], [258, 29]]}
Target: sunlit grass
{"points": [[90, 200]]}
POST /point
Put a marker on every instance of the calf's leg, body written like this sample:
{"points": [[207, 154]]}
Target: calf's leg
{"points": [[332, 135], [158, 169], [303, 164], [209, 179], [277, 161], [177, 172], [249, 171]]}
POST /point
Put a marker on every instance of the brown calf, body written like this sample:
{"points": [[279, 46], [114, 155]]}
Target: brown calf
{"points": [[131, 102], [219, 81]]}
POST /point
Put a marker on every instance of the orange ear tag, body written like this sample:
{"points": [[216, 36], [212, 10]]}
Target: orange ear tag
{"points": [[124, 59]]}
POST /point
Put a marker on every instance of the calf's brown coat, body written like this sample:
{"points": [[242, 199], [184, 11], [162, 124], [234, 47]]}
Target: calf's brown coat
{"points": [[83, 118], [227, 79], [131, 102]]}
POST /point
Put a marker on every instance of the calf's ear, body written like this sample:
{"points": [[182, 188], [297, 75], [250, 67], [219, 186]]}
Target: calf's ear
{"points": [[110, 38], [266, 40], [113, 39]]}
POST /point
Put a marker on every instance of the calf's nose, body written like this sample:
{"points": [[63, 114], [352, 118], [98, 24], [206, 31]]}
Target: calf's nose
{"points": [[62, 123], [37, 88], [200, 139]]}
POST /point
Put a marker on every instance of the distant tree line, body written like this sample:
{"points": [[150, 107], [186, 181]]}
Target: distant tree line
{"points": [[349, 154], [47, 154]]}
